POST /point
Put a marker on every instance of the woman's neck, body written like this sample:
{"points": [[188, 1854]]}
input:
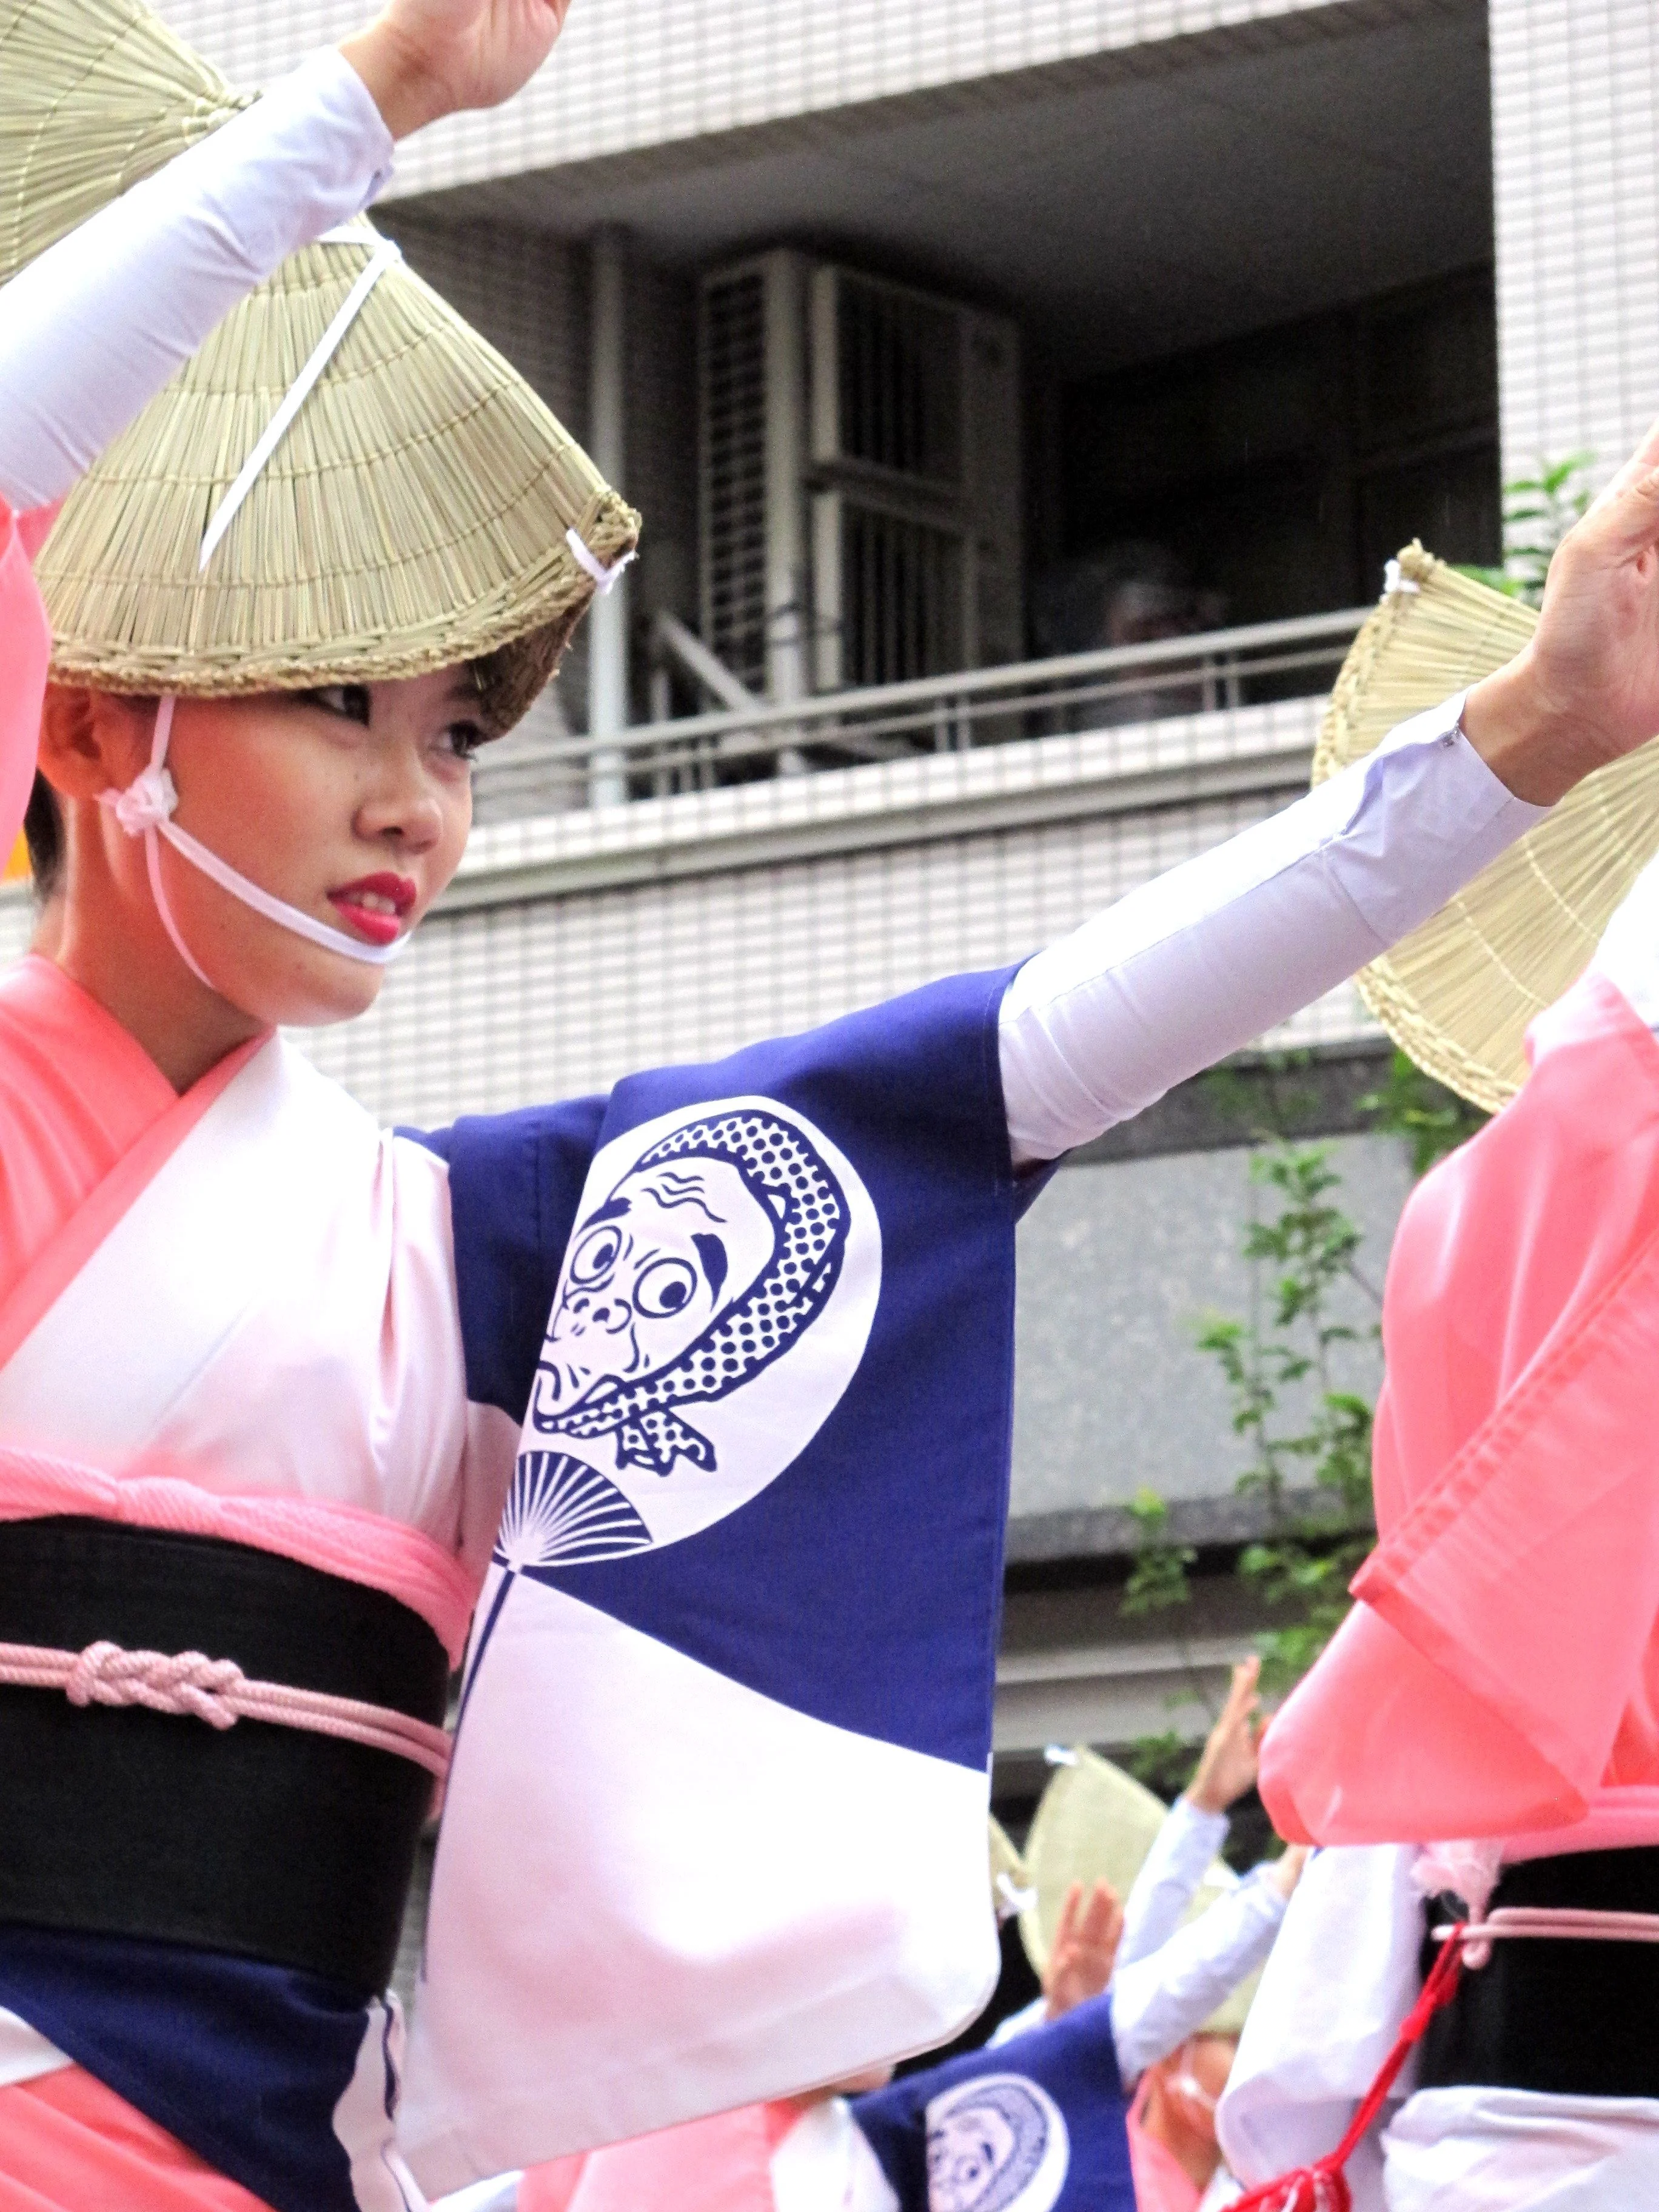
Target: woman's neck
{"points": [[184, 1027], [1195, 2152]]}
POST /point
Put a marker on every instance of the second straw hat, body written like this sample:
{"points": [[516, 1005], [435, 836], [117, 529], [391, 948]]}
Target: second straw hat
{"points": [[1459, 993], [1094, 1822], [414, 514]]}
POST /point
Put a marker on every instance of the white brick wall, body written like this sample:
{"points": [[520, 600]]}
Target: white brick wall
{"points": [[636, 73], [1576, 151]]}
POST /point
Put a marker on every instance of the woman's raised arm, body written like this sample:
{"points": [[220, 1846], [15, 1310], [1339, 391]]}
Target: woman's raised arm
{"points": [[92, 329], [1196, 963], [95, 326]]}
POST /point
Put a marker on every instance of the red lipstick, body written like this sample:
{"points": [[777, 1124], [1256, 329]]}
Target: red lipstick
{"points": [[375, 905]]}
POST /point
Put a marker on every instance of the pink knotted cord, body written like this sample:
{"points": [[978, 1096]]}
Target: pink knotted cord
{"points": [[218, 1692], [1565, 1923]]}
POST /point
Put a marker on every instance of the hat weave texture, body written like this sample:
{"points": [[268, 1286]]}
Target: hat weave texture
{"points": [[413, 516], [1458, 994], [1094, 1822]]}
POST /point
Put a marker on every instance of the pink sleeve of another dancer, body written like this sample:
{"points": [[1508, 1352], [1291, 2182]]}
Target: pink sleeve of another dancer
{"points": [[25, 652], [552, 2188], [1497, 1670]]}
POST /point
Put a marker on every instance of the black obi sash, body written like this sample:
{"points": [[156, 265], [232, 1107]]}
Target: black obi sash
{"points": [[266, 1842], [1570, 2017]]}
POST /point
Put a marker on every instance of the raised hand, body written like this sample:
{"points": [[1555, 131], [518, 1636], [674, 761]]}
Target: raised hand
{"points": [[424, 59], [1084, 1949], [1227, 1767], [1585, 690]]}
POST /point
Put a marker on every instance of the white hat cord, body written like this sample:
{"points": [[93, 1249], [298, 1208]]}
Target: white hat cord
{"points": [[145, 810], [146, 807]]}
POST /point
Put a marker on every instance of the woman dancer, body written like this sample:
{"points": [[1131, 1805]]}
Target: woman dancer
{"points": [[263, 1368]]}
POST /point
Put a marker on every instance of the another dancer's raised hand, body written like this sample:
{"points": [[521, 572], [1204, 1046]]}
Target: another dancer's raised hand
{"points": [[424, 59], [1227, 1767], [1585, 690], [1084, 1949]]}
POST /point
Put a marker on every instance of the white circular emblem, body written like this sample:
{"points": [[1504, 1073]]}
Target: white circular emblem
{"points": [[997, 2143], [714, 1302]]}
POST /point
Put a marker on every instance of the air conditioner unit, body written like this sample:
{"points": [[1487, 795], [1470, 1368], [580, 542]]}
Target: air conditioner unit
{"points": [[860, 478]]}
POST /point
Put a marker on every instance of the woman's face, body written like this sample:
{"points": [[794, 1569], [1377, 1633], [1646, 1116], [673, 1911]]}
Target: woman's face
{"points": [[351, 803]]}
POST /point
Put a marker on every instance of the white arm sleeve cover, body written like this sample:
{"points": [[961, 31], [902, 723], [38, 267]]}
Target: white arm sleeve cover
{"points": [[1159, 2001], [1194, 965], [95, 325], [1183, 1853]]}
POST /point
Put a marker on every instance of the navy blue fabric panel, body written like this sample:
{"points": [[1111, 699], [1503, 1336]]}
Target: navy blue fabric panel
{"points": [[514, 1183], [1073, 2060], [244, 2063], [863, 1585]]}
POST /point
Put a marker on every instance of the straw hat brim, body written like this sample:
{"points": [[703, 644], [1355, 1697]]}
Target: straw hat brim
{"points": [[414, 515], [1094, 1822], [1458, 994]]}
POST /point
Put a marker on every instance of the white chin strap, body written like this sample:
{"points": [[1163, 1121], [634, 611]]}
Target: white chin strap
{"points": [[145, 810]]}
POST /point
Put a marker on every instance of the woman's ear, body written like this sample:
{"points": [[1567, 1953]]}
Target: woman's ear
{"points": [[91, 741]]}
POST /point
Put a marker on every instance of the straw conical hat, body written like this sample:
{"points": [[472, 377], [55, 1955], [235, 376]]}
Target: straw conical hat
{"points": [[1096, 1823], [1458, 994], [413, 516]]}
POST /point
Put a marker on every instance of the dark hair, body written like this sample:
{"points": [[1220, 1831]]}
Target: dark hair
{"points": [[43, 827]]}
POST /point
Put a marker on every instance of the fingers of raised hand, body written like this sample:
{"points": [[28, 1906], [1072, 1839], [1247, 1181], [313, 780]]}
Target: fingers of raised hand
{"points": [[1071, 1905], [1102, 1919]]}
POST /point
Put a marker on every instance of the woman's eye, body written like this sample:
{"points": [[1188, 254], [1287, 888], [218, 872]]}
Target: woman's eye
{"points": [[666, 1288], [463, 740], [590, 1262], [350, 700]]}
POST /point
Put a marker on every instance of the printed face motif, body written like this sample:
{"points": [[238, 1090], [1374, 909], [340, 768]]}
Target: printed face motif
{"points": [[996, 2144], [649, 1269], [965, 2155], [714, 1301]]}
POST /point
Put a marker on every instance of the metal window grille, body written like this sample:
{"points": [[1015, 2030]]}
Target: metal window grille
{"points": [[899, 382], [900, 598], [733, 464]]}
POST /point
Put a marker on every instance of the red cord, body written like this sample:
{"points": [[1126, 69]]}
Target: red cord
{"points": [[1323, 2186]]}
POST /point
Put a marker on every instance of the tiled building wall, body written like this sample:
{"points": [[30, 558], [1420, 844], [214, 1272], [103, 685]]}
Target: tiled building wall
{"points": [[636, 73], [528, 999], [1576, 154], [515, 1004], [526, 292]]}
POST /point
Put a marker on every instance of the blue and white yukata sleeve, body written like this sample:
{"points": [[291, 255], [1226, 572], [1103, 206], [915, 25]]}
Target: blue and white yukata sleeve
{"points": [[759, 1485], [1038, 2125]]}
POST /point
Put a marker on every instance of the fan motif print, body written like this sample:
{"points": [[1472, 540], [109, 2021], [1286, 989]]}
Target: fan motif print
{"points": [[714, 1302]]}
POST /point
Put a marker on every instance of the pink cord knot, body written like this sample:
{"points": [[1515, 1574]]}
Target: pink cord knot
{"points": [[149, 800], [186, 1682]]}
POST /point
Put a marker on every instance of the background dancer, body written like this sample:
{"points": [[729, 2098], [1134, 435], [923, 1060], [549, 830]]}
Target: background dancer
{"points": [[1518, 1319]]}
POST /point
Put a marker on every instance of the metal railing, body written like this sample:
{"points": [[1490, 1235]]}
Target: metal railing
{"points": [[1078, 691]]}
